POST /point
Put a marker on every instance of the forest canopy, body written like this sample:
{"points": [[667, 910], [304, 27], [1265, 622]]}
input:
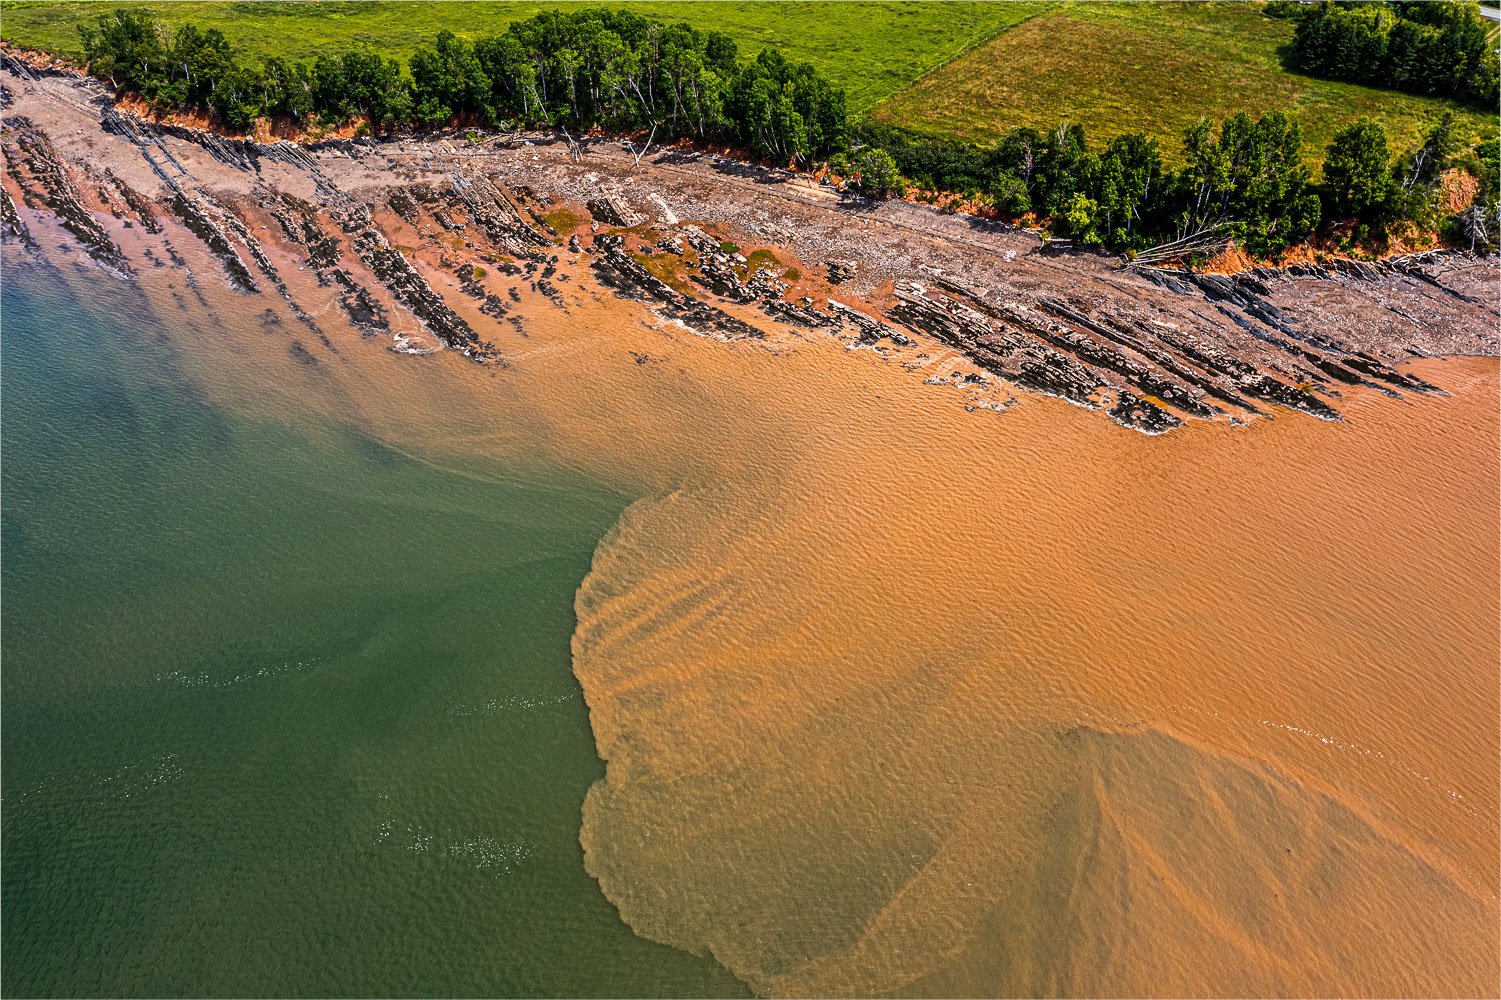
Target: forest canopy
{"points": [[618, 71], [613, 69], [1439, 47]]}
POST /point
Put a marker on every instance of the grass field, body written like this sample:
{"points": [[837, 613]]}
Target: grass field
{"points": [[871, 49], [1153, 67], [960, 69]]}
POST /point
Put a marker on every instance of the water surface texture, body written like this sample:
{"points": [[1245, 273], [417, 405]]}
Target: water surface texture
{"points": [[286, 710], [894, 698]]}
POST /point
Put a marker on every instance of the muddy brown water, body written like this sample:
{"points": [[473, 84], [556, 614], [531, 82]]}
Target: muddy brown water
{"points": [[898, 698], [1025, 705]]}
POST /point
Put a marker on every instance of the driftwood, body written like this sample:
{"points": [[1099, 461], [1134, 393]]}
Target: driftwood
{"points": [[1213, 237]]}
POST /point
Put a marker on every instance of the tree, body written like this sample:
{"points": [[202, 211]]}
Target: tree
{"points": [[1131, 186], [1067, 167], [1270, 204], [878, 174], [1080, 219], [1355, 170], [1009, 192], [1018, 153], [1426, 47], [1479, 225], [1433, 156], [125, 47], [448, 79], [1203, 184]]}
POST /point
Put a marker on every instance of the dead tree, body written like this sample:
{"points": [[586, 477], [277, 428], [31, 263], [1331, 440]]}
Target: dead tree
{"points": [[646, 147], [1212, 237]]}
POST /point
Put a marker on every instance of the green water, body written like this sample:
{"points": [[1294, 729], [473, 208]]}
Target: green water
{"points": [[284, 711]]}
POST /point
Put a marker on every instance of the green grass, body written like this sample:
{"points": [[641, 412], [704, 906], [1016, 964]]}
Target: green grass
{"points": [[670, 269], [872, 49], [960, 69], [1152, 67]]}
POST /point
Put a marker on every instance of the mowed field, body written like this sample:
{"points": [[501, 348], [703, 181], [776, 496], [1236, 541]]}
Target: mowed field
{"points": [[1151, 67], [967, 70], [871, 49]]}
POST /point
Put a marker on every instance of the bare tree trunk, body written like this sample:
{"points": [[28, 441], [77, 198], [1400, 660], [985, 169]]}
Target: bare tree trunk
{"points": [[646, 147]]}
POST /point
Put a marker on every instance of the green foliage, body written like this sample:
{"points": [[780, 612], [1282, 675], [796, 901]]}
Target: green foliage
{"points": [[1356, 170], [879, 177], [1154, 68], [1416, 185], [1487, 168], [872, 49], [578, 68], [1289, 10], [1250, 176], [784, 111], [1428, 47], [448, 79], [1130, 188], [1009, 193], [1247, 177], [1080, 219], [582, 66]]}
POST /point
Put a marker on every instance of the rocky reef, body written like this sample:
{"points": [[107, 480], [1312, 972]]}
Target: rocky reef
{"points": [[484, 232]]}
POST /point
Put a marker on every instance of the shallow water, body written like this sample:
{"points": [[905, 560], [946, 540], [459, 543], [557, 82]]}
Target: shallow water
{"points": [[286, 710], [895, 697]]}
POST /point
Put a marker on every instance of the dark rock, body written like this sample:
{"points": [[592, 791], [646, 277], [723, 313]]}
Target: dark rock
{"points": [[612, 211], [841, 271], [201, 225], [301, 355], [620, 272]]}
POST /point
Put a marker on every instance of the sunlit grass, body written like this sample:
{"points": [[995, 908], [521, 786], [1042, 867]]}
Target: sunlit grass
{"points": [[872, 49], [1114, 67], [1152, 67], [668, 268]]}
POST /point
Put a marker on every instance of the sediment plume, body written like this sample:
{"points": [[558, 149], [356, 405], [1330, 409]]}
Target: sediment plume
{"points": [[910, 679]]}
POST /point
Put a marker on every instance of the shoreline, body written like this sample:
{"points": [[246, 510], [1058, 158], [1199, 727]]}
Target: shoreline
{"points": [[200, 129], [412, 229], [1034, 568]]}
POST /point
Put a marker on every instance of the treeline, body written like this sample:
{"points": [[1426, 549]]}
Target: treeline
{"points": [[1420, 46], [618, 71], [1244, 179], [576, 69], [1363, 180]]}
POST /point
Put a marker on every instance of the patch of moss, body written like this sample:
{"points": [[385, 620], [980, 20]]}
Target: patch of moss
{"points": [[479, 273], [562, 220], [762, 258], [666, 267]]}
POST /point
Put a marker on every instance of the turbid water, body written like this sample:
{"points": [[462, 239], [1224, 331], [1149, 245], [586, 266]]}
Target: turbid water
{"points": [[1083, 714], [895, 698]]}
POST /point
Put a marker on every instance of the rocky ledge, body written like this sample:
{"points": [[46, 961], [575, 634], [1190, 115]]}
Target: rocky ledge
{"points": [[412, 240]]}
